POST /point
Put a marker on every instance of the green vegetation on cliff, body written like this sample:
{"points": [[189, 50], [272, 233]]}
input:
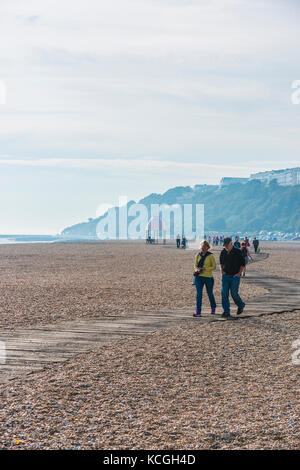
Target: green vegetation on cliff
{"points": [[253, 206]]}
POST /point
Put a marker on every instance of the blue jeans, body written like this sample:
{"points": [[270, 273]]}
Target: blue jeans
{"points": [[208, 282], [230, 283]]}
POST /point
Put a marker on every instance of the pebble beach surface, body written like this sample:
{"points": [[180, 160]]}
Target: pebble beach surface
{"points": [[222, 385], [49, 283]]}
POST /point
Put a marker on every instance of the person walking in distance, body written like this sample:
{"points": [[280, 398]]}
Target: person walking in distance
{"points": [[246, 240], [237, 243], [178, 240], [232, 264], [204, 265], [246, 254], [255, 244]]}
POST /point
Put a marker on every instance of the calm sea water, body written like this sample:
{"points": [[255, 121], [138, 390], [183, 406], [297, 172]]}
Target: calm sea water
{"points": [[11, 239]]}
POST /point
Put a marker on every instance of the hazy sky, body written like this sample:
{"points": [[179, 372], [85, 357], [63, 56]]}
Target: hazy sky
{"points": [[129, 97]]}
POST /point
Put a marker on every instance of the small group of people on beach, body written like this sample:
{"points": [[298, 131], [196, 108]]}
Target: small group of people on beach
{"points": [[233, 262], [244, 247], [181, 242], [215, 240]]}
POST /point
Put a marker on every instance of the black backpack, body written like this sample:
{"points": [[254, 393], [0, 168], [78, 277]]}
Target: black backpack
{"points": [[244, 251]]}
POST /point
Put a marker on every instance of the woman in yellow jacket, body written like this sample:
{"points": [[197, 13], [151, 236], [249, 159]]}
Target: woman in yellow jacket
{"points": [[204, 265]]}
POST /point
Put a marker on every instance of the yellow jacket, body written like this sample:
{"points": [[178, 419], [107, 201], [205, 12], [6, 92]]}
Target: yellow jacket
{"points": [[209, 265]]}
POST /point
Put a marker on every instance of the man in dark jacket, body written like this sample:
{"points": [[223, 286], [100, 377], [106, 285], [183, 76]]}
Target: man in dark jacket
{"points": [[237, 243], [232, 264], [255, 244]]}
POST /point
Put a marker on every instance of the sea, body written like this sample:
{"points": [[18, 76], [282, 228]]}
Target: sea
{"points": [[8, 239], [12, 239]]}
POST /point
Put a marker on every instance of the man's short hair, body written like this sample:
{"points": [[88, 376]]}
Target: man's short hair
{"points": [[226, 241]]}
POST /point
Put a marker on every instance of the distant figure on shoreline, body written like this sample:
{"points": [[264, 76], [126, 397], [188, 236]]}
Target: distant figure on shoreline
{"points": [[232, 264], [178, 240], [184, 242], [204, 265], [237, 243], [255, 244], [246, 254], [246, 240]]}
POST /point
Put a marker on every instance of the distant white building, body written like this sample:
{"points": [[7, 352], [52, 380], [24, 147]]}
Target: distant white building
{"points": [[288, 177], [227, 180]]}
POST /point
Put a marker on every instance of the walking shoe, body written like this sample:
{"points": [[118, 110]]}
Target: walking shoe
{"points": [[225, 314], [213, 311], [240, 310], [197, 314]]}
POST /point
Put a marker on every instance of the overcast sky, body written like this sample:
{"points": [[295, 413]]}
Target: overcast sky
{"points": [[129, 97]]}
